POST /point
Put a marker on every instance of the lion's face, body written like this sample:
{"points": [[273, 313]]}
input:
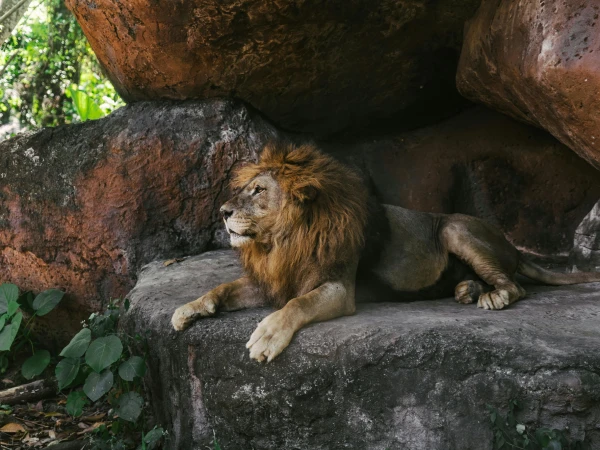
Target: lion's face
{"points": [[246, 215]]}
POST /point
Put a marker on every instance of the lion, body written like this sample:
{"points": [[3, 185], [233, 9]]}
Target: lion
{"points": [[300, 220]]}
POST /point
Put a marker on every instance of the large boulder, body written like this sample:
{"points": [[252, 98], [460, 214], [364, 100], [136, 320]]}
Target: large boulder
{"points": [[83, 207], [538, 62], [395, 375], [309, 66], [586, 246]]}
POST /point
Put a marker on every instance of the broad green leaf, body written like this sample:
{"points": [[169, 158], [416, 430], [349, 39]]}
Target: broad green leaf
{"points": [[35, 365], [46, 301], [86, 107], [78, 345], [154, 435], [103, 352], [133, 367], [8, 292], [75, 403], [66, 371], [98, 384], [130, 406], [12, 308], [8, 334], [3, 321]]}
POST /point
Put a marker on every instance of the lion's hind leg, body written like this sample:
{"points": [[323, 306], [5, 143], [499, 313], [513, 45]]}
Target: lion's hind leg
{"points": [[489, 254]]}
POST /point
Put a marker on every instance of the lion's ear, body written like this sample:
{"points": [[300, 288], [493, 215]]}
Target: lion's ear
{"points": [[306, 193]]}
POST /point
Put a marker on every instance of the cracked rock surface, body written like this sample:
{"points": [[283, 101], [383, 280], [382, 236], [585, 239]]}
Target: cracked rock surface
{"points": [[311, 66], [538, 61], [395, 375]]}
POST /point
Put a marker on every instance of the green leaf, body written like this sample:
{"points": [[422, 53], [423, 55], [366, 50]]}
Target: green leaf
{"points": [[78, 345], [2, 321], [36, 364], [130, 406], [86, 107], [154, 435], [66, 371], [13, 306], [8, 334], [103, 352], [46, 301], [8, 292], [133, 367], [542, 436], [75, 403], [98, 384]]}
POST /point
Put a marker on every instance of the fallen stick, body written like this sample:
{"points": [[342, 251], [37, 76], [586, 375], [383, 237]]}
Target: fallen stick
{"points": [[29, 392]]}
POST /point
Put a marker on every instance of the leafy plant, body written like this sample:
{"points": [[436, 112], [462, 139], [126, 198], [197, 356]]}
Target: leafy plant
{"points": [[13, 336], [510, 434], [97, 359]]}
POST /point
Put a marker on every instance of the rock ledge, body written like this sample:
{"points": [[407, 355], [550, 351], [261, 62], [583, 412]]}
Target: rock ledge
{"points": [[407, 375]]}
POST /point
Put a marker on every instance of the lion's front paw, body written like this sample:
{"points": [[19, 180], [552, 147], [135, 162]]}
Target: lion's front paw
{"points": [[184, 315], [270, 338]]}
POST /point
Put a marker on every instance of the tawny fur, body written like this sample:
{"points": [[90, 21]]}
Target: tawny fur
{"points": [[309, 237]]}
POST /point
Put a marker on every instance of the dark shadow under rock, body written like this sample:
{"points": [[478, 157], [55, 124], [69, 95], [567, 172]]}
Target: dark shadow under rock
{"points": [[395, 375]]}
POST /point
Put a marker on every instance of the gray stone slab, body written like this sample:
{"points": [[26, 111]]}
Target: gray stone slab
{"points": [[412, 375]]}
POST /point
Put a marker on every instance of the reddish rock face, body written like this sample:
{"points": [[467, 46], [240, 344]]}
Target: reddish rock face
{"points": [[538, 61], [83, 207], [309, 66]]}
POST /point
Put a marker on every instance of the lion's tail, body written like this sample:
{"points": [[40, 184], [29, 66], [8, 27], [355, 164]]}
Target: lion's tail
{"points": [[537, 273]]}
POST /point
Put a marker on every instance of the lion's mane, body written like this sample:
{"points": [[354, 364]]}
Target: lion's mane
{"points": [[318, 230]]}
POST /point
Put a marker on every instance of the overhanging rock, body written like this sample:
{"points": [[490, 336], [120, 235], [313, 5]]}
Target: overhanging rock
{"points": [[394, 376]]}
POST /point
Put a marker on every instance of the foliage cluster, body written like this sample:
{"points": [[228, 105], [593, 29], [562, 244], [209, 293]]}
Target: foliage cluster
{"points": [[13, 336], [95, 365], [97, 360], [510, 434], [48, 73]]}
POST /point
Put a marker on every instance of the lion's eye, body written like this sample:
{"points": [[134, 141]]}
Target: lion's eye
{"points": [[258, 190]]}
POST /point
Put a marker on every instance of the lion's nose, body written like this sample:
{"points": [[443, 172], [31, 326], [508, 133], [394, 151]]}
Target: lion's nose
{"points": [[226, 212]]}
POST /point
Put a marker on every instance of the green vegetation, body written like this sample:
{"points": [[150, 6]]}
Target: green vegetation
{"points": [[48, 73], [95, 365], [15, 338], [97, 360], [510, 434]]}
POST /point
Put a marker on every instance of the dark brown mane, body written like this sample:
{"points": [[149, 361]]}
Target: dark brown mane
{"points": [[319, 228]]}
